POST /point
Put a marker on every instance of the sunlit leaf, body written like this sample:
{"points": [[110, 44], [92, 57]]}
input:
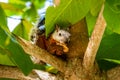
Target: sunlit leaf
{"points": [[4, 59], [31, 14], [8, 6], [68, 10], [39, 3], [17, 2], [51, 69], [19, 30], [23, 29], [17, 54], [3, 19]]}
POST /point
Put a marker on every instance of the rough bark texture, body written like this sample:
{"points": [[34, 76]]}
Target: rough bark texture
{"points": [[15, 73]]}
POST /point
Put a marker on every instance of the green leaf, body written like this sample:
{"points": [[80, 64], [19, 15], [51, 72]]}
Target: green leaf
{"points": [[23, 29], [69, 10], [39, 66], [3, 19], [39, 3], [31, 14], [51, 69], [96, 6], [114, 5], [17, 2], [91, 20], [19, 30], [109, 47], [8, 6], [112, 18], [17, 54], [106, 65], [4, 59], [113, 60]]}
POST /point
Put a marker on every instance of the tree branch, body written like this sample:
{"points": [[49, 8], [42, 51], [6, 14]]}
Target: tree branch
{"points": [[15, 73], [41, 54], [94, 42]]}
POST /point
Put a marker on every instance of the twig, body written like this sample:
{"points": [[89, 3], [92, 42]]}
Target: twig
{"points": [[41, 54], [94, 42]]}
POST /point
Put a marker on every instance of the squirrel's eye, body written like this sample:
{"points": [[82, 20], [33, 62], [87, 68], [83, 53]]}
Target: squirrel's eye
{"points": [[59, 34]]}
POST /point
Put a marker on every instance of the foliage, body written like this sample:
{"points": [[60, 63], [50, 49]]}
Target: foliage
{"points": [[69, 11]]}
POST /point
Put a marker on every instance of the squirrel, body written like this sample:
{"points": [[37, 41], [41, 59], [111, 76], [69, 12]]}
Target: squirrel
{"points": [[57, 41]]}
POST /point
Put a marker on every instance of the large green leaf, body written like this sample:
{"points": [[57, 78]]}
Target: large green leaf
{"points": [[112, 17], [17, 54], [68, 10], [110, 47], [109, 50]]}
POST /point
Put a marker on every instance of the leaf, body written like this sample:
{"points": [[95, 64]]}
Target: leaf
{"points": [[3, 19], [106, 65], [4, 59], [16, 2], [39, 3], [51, 69], [23, 29], [96, 6], [112, 18], [17, 54], [8, 6], [114, 5], [113, 60], [69, 10], [39, 66], [109, 47], [91, 20], [19, 30], [31, 14]]}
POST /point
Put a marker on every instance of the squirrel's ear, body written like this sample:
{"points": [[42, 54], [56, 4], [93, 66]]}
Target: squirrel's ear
{"points": [[57, 28]]}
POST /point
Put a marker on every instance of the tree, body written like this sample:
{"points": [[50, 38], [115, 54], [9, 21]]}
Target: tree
{"points": [[92, 42]]}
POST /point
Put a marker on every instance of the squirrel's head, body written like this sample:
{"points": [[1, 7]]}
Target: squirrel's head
{"points": [[61, 35]]}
